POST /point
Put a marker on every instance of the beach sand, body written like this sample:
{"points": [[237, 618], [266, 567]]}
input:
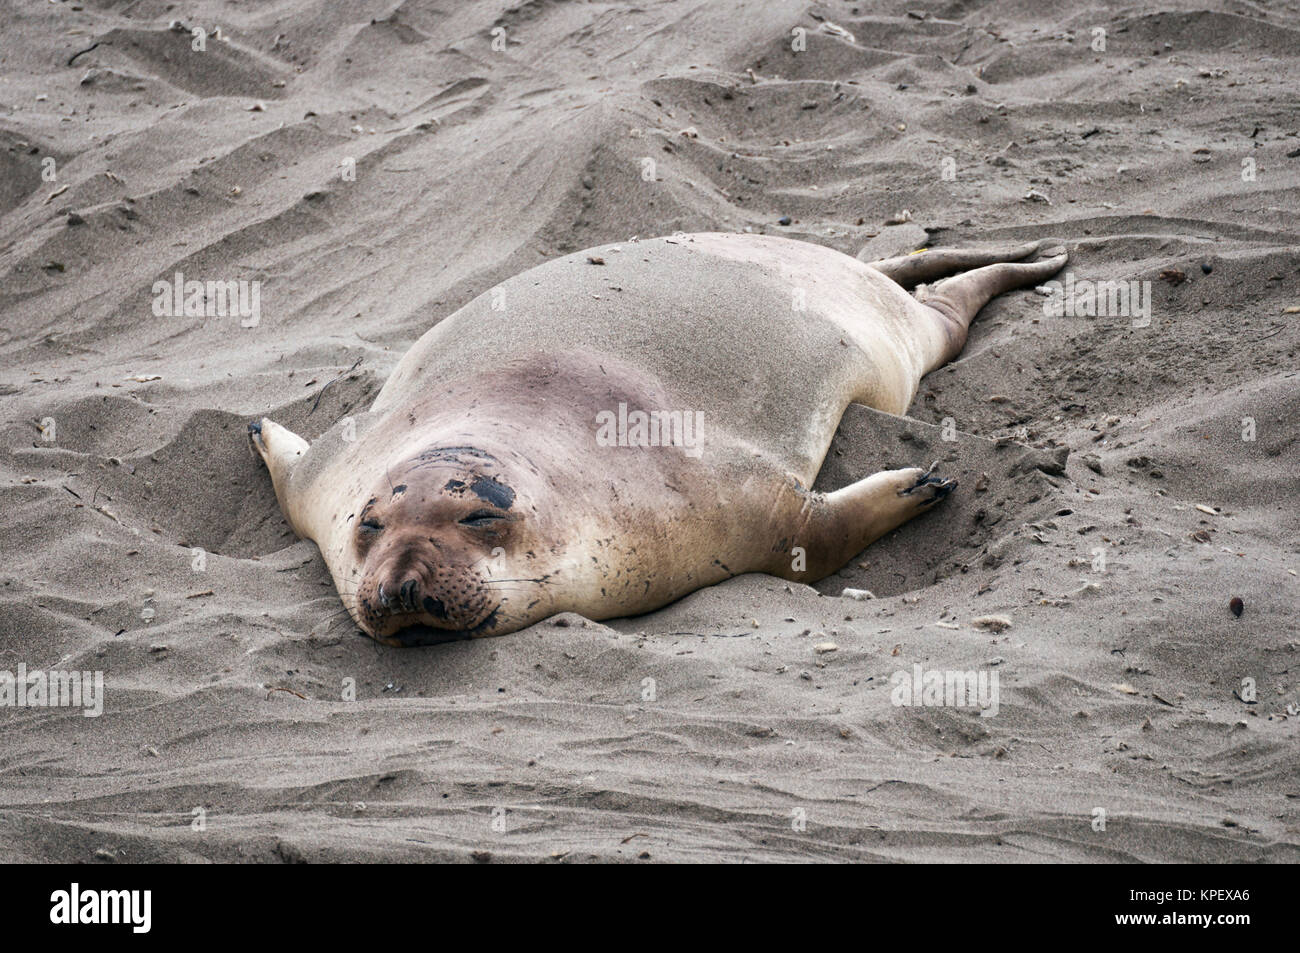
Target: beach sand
{"points": [[375, 166]]}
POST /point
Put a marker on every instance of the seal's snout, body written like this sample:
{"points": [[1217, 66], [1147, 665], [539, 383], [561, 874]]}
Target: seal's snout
{"points": [[401, 596], [409, 598]]}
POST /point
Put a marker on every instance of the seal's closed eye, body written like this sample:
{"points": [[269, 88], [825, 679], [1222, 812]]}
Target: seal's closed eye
{"points": [[481, 518], [371, 524]]}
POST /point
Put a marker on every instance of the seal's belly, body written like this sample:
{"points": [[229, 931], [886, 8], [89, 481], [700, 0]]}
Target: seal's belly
{"points": [[769, 339]]}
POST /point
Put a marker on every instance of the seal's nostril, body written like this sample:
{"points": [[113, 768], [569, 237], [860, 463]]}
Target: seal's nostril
{"points": [[408, 594]]}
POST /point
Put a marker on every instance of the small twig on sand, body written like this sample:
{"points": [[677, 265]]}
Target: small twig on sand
{"points": [[321, 392], [81, 53]]}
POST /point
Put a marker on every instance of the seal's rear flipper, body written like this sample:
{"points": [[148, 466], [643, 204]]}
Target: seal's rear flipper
{"points": [[910, 270], [954, 302]]}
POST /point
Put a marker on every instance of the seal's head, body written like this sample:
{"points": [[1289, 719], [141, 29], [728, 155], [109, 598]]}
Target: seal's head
{"points": [[434, 544]]}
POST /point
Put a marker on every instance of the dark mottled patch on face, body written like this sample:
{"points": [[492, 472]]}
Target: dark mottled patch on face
{"points": [[490, 491]]}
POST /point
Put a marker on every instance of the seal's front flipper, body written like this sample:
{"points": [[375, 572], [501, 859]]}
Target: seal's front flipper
{"points": [[928, 488], [837, 526], [278, 447], [281, 450]]}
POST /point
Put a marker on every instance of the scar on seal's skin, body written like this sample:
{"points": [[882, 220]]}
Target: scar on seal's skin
{"points": [[453, 454]]}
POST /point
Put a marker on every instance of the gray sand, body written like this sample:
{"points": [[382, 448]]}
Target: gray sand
{"points": [[141, 538]]}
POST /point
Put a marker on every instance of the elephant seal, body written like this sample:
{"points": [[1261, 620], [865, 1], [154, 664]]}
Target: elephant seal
{"points": [[614, 429]]}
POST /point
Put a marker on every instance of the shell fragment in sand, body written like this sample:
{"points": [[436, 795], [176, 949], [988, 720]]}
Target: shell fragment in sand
{"points": [[834, 29], [860, 594]]}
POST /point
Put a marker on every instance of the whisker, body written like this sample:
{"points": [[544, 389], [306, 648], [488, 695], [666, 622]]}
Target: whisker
{"points": [[333, 619]]}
